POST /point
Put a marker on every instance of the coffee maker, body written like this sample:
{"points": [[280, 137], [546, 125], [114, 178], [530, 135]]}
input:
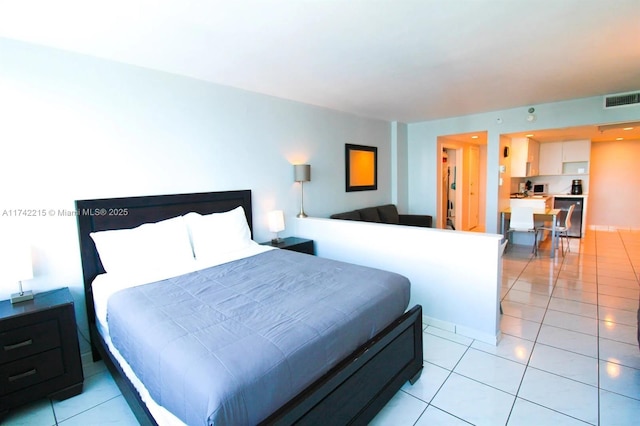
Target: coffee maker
{"points": [[576, 187]]}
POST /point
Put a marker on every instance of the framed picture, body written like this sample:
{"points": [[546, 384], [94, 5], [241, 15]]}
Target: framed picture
{"points": [[361, 166]]}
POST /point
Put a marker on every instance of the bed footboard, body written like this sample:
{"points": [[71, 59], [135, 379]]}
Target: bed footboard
{"points": [[355, 390]]}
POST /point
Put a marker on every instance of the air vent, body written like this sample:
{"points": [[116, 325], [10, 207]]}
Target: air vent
{"points": [[623, 99]]}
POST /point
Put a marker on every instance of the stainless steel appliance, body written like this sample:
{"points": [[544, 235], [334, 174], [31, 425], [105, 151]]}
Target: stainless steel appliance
{"points": [[540, 188], [563, 203]]}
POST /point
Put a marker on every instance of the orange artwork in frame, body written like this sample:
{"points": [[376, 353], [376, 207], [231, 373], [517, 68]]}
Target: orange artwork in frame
{"points": [[361, 167]]}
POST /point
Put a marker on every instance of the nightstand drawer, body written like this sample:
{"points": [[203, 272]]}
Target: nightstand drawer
{"points": [[28, 371], [31, 339]]}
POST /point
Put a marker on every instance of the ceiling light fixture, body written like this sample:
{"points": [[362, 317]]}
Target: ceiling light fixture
{"points": [[625, 126]]}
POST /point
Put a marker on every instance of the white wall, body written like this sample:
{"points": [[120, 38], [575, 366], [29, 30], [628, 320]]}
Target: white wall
{"points": [[615, 179], [423, 150], [399, 158], [76, 127]]}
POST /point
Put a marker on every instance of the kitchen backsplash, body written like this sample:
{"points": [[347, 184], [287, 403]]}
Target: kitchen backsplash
{"points": [[557, 184]]}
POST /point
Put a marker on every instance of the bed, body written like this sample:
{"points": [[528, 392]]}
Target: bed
{"points": [[352, 390]]}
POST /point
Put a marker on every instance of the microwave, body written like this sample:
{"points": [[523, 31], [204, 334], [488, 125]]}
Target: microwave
{"points": [[540, 188]]}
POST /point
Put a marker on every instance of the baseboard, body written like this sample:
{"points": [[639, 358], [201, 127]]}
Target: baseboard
{"points": [[462, 330], [612, 228], [443, 325], [86, 358], [477, 335]]}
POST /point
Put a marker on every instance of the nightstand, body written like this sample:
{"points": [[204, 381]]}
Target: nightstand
{"points": [[39, 351], [301, 245]]}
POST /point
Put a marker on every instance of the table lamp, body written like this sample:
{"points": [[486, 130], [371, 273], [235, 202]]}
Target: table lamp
{"points": [[276, 224], [302, 173], [16, 265]]}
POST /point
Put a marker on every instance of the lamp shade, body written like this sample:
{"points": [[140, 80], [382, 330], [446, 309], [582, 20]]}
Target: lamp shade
{"points": [[301, 172], [15, 262], [276, 221]]}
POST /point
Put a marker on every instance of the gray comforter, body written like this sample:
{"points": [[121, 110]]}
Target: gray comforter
{"points": [[230, 344]]}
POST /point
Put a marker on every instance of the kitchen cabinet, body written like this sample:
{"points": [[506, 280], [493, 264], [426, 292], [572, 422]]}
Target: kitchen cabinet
{"points": [[525, 157], [551, 158], [576, 151], [565, 158]]}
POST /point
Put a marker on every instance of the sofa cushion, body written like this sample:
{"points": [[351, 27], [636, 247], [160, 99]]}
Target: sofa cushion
{"points": [[370, 214], [389, 213], [416, 220], [352, 215]]}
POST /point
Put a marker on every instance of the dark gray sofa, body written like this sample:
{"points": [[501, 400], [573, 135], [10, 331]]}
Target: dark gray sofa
{"points": [[387, 213]]}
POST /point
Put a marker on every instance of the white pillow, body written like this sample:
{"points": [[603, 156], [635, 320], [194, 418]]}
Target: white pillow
{"points": [[218, 233], [149, 248]]}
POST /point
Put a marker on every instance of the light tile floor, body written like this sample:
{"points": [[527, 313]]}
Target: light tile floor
{"points": [[568, 355], [100, 403]]}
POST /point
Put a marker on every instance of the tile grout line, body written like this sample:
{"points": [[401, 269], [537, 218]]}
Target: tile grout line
{"points": [[515, 399], [598, 311], [635, 272], [621, 241], [443, 382], [55, 418], [535, 342], [598, 323]]}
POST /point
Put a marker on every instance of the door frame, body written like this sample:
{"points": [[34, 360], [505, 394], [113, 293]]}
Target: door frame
{"points": [[478, 188], [460, 143], [441, 220]]}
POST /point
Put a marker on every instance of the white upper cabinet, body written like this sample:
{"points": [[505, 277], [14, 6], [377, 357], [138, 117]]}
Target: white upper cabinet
{"points": [[551, 158], [525, 157], [568, 157], [576, 151], [534, 157]]}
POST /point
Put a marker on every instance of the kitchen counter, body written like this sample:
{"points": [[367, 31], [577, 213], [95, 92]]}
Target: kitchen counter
{"points": [[519, 196], [537, 202], [540, 202], [570, 195], [545, 216]]}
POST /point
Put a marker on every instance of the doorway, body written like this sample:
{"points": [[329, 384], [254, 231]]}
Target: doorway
{"points": [[461, 173], [474, 187], [451, 160]]}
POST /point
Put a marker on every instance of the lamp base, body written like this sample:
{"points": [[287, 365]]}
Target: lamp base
{"points": [[301, 214], [277, 240], [22, 296]]}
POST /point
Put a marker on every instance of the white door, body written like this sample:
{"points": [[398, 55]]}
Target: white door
{"points": [[474, 178]]}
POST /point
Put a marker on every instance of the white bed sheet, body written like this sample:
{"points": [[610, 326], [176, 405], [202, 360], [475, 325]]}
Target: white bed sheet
{"points": [[104, 286]]}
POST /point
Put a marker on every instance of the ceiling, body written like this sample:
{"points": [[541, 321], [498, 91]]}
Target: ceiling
{"points": [[404, 60], [605, 133]]}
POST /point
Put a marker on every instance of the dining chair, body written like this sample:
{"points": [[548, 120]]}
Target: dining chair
{"points": [[522, 221], [562, 231]]}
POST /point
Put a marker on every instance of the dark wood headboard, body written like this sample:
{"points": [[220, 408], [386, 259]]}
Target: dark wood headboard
{"points": [[122, 213]]}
